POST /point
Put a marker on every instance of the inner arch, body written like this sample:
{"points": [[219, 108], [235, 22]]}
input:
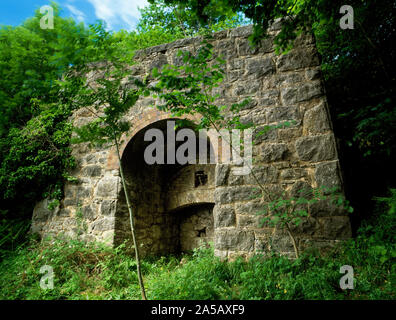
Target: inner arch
{"points": [[172, 203]]}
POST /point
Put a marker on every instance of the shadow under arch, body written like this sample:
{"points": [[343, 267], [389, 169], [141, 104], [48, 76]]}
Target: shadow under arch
{"points": [[172, 203]]}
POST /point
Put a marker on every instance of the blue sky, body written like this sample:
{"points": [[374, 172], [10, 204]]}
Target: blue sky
{"points": [[118, 14]]}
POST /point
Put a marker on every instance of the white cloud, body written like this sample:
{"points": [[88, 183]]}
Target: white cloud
{"points": [[116, 12], [77, 14]]}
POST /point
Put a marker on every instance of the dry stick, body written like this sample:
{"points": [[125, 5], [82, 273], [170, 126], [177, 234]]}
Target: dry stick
{"points": [[131, 223]]}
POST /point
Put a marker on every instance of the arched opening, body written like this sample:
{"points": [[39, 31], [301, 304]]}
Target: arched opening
{"points": [[172, 203]]}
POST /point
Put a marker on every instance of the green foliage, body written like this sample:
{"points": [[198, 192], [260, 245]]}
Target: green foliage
{"points": [[37, 152], [75, 267], [37, 91], [188, 89], [31, 60], [41, 76], [108, 125], [35, 106], [92, 271], [181, 18], [12, 234], [286, 210], [201, 277]]}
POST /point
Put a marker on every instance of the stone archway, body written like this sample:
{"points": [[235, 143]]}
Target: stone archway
{"points": [[172, 203], [282, 89]]}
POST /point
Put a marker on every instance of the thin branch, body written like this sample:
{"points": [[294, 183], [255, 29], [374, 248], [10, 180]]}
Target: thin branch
{"points": [[139, 273]]}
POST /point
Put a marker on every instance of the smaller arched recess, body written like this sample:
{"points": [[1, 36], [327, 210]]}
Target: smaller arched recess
{"points": [[172, 203]]}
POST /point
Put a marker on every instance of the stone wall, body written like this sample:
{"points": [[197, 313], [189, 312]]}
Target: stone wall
{"points": [[282, 88]]}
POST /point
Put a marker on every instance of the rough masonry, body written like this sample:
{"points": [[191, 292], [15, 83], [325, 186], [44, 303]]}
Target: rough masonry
{"points": [[181, 207]]}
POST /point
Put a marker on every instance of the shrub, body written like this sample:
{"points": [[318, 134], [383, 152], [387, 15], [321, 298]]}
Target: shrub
{"points": [[94, 271]]}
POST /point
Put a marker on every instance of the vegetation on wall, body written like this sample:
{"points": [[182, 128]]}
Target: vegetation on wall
{"points": [[36, 99], [359, 74]]}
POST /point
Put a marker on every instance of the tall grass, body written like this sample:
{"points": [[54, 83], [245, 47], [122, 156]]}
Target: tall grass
{"points": [[94, 271]]}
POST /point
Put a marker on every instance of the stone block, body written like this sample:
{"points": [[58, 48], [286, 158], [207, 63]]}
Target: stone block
{"points": [[41, 211], [316, 148], [301, 189], [262, 246], [273, 152], [262, 134], [233, 194], [243, 32], [307, 227], [83, 192], [298, 59], [281, 242], [327, 175], [108, 187], [283, 114], [252, 207], [335, 227], [91, 171], [221, 174], [289, 134], [259, 67], [288, 79], [313, 74], [304, 92], [292, 173], [158, 62], [326, 208], [264, 174], [249, 221], [268, 98], [89, 212], [224, 216], [108, 207], [316, 120], [234, 240], [245, 48], [101, 225]]}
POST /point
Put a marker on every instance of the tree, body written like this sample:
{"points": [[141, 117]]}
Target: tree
{"points": [[34, 110], [35, 106], [180, 18], [108, 97]]}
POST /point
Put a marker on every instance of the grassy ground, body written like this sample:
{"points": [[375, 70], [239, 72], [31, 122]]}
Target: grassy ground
{"points": [[95, 272]]}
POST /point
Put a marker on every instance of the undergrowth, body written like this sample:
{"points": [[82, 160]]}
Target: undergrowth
{"points": [[94, 271]]}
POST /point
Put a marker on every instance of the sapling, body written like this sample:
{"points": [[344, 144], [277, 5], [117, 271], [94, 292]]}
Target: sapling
{"points": [[108, 98]]}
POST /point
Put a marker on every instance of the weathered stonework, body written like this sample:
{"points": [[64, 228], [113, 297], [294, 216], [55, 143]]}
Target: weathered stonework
{"points": [[175, 212]]}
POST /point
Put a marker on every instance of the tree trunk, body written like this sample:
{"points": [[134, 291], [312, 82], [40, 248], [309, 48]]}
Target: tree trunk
{"points": [[139, 273]]}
